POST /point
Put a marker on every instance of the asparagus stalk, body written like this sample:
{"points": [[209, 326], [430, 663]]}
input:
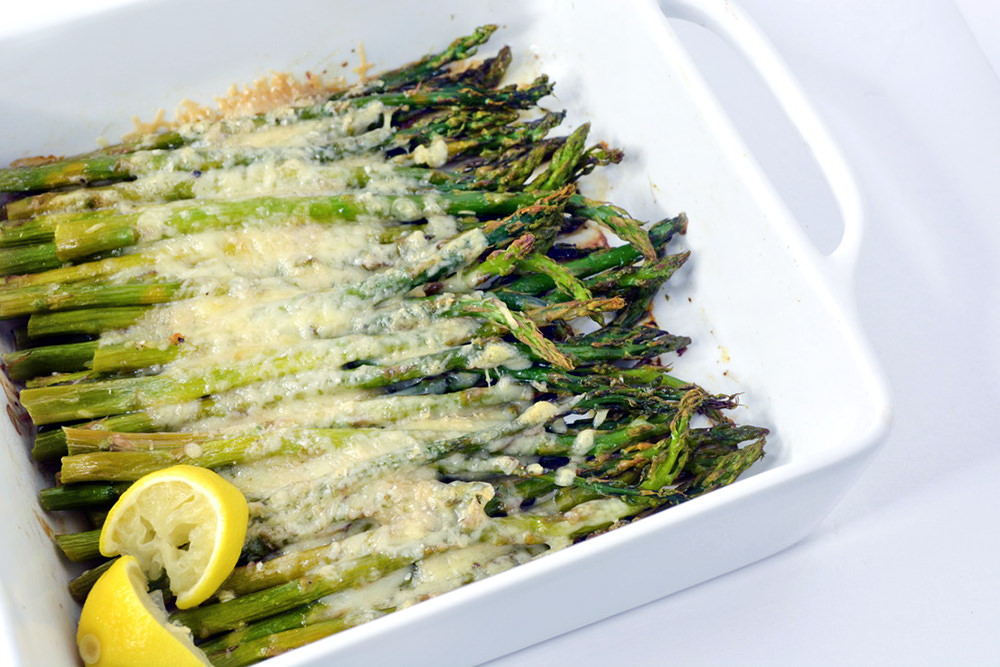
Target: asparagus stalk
{"points": [[123, 464], [79, 496], [277, 643], [596, 262], [563, 163], [89, 321], [43, 298], [25, 364], [73, 241], [430, 65], [51, 443], [79, 273], [80, 586], [343, 610], [455, 253], [95, 168], [79, 547], [563, 280], [211, 619], [99, 165]]}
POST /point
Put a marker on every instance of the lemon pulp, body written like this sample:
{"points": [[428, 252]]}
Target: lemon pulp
{"points": [[184, 520]]}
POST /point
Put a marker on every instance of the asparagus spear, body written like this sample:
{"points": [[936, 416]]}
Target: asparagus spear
{"points": [[277, 643], [346, 609], [411, 74], [99, 165], [596, 262], [79, 547], [89, 321], [79, 496], [25, 364], [207, 620], [95, 168], [74, 239], [132, 463]]}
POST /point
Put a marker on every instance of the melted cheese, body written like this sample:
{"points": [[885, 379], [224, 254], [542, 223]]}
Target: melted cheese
{"points": [[292, 321]]}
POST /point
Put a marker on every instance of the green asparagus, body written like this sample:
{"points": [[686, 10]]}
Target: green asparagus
{"points": [[376, 313]]}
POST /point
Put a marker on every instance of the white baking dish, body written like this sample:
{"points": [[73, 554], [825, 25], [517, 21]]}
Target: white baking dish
{"points": [[770, 316]]}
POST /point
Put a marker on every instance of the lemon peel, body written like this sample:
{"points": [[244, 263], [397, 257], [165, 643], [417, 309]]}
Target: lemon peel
{"points": [[122, 624]]}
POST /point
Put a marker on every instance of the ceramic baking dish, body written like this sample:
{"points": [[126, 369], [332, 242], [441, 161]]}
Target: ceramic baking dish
{"points": [[770, 316]]}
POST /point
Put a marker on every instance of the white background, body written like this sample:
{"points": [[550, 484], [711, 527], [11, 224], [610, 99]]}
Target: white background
{"points": [[906, 570]]}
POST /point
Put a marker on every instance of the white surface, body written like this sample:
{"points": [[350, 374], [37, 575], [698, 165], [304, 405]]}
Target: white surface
{"points": [[904, 570]]}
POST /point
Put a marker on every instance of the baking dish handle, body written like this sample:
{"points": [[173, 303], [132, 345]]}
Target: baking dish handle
{"points": [[731, 23]]}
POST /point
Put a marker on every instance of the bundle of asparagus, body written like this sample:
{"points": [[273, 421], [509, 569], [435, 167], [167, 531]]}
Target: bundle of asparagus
{"points": [[388, 316]]}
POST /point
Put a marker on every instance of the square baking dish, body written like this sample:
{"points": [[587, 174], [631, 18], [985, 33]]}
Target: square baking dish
{"points": [[770, 316]]}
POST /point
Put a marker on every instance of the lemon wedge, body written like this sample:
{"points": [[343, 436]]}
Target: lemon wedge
{"points": [[184, 520], [121, 624]]}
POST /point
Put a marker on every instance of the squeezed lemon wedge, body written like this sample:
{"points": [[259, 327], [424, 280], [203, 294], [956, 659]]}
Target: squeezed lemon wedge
{"points": [[184, 520], [121, 624]]}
